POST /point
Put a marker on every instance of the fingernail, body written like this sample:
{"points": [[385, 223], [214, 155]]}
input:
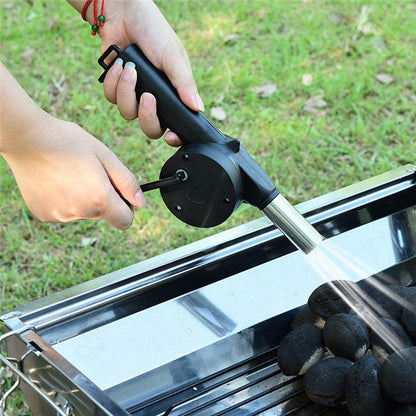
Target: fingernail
{"points": [[198, 102], [130, 65], [147, 100], [128, 73], [139, 199], [117, 66]]}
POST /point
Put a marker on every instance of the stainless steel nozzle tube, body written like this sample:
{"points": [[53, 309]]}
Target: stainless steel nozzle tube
{"points": [[295, 227]]}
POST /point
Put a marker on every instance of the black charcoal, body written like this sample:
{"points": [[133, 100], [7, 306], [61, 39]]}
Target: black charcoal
{"points": [[408, 318], [390, 299], [329, 298], [364, 394], [306, 316], [405, 410], [325, 382], [398, 376], [300, 349], [388, 338], [346, 336]]}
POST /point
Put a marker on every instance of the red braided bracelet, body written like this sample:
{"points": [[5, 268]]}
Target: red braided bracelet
{"points": [[94, 27], [101, 17], [98, 20], [84, 9]]}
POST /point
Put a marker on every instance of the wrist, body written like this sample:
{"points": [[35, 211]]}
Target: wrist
{"points": [[18, 114], [92, 11], [78, 5], [24, 138]]}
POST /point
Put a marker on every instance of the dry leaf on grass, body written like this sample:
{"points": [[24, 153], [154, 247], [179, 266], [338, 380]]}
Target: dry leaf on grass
{"points": [[384, 78], [378, 44], [315, 106], [218, 113], [88, 241], [364, 26], [27, 54], [52, 23], [231, 38], [307, 79], [265, 90], [31, 16], [369, 29], [338, 18], [363, 19], [58, 87]]}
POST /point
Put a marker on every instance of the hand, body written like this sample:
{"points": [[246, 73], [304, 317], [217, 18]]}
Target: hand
{"points": [[141, 22], [65, 174]]}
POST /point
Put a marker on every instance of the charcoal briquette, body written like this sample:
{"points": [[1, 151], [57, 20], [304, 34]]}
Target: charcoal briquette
{"points": [[408, 318], [330, 298], [390, 299], [299, 349], [364, 394], [383, 344], [346, 336], [325, 381], [398, 375], [306, 316], [405, 410]]}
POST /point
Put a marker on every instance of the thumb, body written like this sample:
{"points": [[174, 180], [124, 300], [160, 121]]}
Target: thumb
{"points": [[123, 180]]}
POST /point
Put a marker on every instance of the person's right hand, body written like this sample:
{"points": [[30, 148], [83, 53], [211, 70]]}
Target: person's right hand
{"points": [[142, 23], [65, 174]]}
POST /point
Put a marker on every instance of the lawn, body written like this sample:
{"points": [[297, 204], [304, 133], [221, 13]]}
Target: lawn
{"points": [[343, 109]]}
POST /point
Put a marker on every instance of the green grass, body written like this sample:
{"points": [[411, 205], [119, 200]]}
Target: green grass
{"points": [[367, 129]]}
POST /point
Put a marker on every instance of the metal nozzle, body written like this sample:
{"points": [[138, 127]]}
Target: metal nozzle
{"points": [[292, 224]]}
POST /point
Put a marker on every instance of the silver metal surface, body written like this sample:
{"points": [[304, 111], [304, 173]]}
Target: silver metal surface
{"points": [[292, 224], [245, 299], [14, 365], [195, 330], [51, 386]]}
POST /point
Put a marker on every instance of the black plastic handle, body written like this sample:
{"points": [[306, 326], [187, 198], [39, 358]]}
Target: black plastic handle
{"points": [[189, 125]]}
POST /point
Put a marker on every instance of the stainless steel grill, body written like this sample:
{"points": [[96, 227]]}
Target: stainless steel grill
{"points": [[195, 331], [252, 387]]}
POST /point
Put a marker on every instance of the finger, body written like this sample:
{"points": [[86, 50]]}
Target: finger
{"points": [[172, 139], [122, 179], [126, 96], [148, 119], [111, 81], [126, 185], [191, 98], [116, 212], [177, 67]]}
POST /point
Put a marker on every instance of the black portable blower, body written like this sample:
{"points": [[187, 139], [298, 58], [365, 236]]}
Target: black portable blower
{"points": [[208, 178]]}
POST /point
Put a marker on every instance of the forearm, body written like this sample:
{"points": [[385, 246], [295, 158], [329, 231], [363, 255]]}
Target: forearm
{"points": [[18, 114], [78, 5], [112, 5]]}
